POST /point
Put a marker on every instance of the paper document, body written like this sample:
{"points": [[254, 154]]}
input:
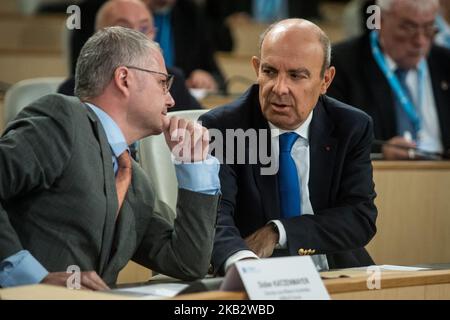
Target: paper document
{"points": [[157, 290], [389, 267]]}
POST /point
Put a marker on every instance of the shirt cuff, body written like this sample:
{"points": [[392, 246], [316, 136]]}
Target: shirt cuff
{"points": [[201, 176], [21, 269], [243, 254], [282, 240]]}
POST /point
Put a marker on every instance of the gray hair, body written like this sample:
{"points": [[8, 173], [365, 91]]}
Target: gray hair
{"points": [[323, 39], [421, 5], [104, 52]]}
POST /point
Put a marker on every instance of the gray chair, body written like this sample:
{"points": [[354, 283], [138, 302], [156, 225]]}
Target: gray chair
{"points": [[24, 92]]}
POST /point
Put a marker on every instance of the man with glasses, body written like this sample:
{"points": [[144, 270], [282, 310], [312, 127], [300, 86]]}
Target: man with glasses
{"points": [[70, 194], [399, 78]]}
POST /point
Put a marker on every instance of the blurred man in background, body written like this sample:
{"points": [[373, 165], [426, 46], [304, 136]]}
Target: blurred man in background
{"points": [[399, 78]]}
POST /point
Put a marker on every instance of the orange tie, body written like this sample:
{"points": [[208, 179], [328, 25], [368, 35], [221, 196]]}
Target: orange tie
{"points": [[123, 177]]}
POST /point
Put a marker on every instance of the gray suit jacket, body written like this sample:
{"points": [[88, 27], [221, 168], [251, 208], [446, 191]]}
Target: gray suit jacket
{"points": [[58, 200]]}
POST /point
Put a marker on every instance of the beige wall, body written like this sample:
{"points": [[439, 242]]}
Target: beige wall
{"points": [[413, 213]]}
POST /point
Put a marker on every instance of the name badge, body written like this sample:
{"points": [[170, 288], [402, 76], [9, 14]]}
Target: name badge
{"points": [[286, 278]]}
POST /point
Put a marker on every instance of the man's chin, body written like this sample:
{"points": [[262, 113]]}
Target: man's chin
{"points": [[284, 122], [165, 121]]}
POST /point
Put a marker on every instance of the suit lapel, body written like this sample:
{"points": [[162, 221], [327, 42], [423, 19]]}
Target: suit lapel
{"points": [[323, 147], [124, 238], [110, 191], [267, 185]]}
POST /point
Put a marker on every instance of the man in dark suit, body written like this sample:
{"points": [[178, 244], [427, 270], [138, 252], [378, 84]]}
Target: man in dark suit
{"points": [[182, 31], [374, 72], [70, 195], [321, 200], [134, 14]]}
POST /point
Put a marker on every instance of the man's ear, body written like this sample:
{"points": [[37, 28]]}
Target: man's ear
{"points": [[327, 79], [121, 80], [256, 62]]}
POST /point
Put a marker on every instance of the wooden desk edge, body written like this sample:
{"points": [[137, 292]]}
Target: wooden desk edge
{"points": [[410, 165], [389, 280]]}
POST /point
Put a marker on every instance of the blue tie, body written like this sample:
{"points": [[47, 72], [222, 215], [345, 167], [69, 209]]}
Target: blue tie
{"points": [[404, 123], [164, 37], [268, 11], [288, 182]]}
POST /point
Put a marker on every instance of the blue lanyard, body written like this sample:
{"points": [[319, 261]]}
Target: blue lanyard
{"points": [[402, 97], [442, 28]]}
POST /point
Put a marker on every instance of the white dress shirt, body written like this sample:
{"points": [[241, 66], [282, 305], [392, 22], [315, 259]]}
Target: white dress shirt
{"points": [[429, 135], [301, 156]]}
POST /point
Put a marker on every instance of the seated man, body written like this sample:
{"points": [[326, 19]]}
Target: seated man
{"points": [[321, 200], [71, 195], [135, 15], [399, 78]]}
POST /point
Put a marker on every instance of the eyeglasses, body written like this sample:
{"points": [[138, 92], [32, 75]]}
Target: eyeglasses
{"points": [[166, 83], [411, 30]]}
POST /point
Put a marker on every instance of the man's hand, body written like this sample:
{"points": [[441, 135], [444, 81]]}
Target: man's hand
{"points": [[90, 280], [200, 79], [263, 241], [394, 153], [188, 141]]}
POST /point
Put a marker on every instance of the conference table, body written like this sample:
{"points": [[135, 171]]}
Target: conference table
{"points": [[413, 222], [346, 284]]}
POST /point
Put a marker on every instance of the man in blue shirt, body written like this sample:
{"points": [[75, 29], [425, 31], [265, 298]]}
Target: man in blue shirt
{"points": [[71, 196]]}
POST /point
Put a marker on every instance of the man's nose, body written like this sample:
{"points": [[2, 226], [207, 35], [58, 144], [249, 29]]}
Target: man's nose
{"points": [[281, 86], [169, 100], [421, 40]]}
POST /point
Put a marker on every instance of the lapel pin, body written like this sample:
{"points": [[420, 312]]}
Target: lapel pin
{"points": [[444, 85], [328, 148]]}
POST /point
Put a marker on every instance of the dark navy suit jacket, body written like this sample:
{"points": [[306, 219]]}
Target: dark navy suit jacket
{"points": [[341, 186]]}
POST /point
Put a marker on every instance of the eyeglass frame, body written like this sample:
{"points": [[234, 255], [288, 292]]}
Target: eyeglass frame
{"points": [[410, 29], [167, 83]]}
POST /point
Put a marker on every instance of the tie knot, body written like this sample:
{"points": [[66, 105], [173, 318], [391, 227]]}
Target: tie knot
{"points": [[287, 140], [124, 160], [401, 74]]}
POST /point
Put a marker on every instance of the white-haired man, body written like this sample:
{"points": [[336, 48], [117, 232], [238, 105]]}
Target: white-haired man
{"points": [[399, 78]]}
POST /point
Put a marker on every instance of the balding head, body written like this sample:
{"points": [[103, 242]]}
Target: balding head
{"points": [[289, 30], [132, 14], [292, 71]]}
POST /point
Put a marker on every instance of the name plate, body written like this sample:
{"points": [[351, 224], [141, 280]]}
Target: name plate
{"points": [[286, 278]]}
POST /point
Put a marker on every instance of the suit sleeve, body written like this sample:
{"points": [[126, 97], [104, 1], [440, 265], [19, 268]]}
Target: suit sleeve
{"points": [[228, 239], [34, 151], [350, 223], [182, 250]]}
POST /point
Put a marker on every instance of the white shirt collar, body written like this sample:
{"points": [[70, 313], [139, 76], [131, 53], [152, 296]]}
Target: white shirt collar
{"points": [[302, 130], [392, 65]]}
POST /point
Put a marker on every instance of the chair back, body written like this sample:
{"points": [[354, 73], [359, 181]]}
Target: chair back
{"points": [[26, 91]]}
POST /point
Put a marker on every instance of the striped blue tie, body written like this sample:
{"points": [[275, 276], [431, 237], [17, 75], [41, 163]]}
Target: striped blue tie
{"points": [[288, 182]]}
